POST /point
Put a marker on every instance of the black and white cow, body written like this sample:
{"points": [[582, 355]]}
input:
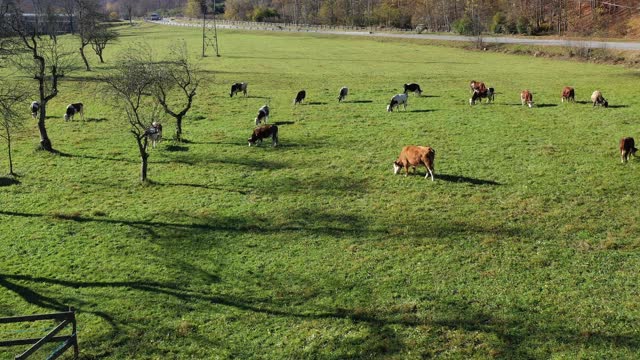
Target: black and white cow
{"points": [[34, 107], [72, 110], [300, 97], [237, 87], [263, 115], [344, 91], [413, 87], [154, 133], [400, 99], [478, 95]]}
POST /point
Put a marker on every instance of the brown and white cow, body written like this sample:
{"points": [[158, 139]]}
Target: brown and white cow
{"points": [[264, 132], [73, 109], [627, 148], [412, 156], [477, 85], [568, 94], [526, 97], [598, 99]]}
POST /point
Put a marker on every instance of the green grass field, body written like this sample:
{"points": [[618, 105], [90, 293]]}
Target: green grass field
{"points": [[525, 247]]}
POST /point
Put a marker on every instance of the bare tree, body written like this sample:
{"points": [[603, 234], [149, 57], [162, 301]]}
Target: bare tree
{"points": [[127, 8], [130, 85], [69, 7], [11, 96], [100, 38], [177, 77], [37, 54], [88, 17]]}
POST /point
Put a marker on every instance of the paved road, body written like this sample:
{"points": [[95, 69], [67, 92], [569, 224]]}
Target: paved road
{"points": [[488, 39]]}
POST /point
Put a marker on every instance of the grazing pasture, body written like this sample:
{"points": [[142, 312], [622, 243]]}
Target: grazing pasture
{"points": [[525, 245]]}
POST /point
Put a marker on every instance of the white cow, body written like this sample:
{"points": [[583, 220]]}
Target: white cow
{"points": [[400, 99]]}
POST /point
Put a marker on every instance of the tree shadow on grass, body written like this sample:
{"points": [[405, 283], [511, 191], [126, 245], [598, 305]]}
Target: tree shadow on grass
{"points": [[422, 110], [464, 179], [96, 119], [316, 103], [516, 337], [191, 160], [618, 106]]}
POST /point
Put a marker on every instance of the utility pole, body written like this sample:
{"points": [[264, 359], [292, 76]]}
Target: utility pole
{"points": [[209, 33]]}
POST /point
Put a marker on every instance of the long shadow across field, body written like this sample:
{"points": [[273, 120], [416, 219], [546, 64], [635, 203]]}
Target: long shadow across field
{"points": [[191, 159], [515, 335]]}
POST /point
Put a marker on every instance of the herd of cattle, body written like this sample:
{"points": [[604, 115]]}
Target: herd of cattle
{"points": [[410, 156]]}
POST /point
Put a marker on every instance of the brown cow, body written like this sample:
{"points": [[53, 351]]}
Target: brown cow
{"points": [[264, 132], [526, 97], [412, 156], [477, 86], [568, 94], [627, 148]]}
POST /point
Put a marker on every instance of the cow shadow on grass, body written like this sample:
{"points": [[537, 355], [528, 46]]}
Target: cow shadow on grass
{"points": [[96, 119], [465, 179], [176, 148], [618, 106], [357, 101], [422, 110], [284, 123], [8, 181], [545, 105]]}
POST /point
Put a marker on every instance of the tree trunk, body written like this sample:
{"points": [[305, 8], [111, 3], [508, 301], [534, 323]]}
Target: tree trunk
{"points": [[9, 151], [144, 157], [179, 128], [84, 58], [143, 169], [45, 143], [100, 56]]}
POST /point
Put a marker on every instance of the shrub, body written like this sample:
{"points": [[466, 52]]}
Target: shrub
{"points": [[264, 13], [522, 26], [463, 26], [499, 24]]}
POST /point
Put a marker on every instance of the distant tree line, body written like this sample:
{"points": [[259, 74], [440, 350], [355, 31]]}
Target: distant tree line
{"points": [[586, 17]]}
